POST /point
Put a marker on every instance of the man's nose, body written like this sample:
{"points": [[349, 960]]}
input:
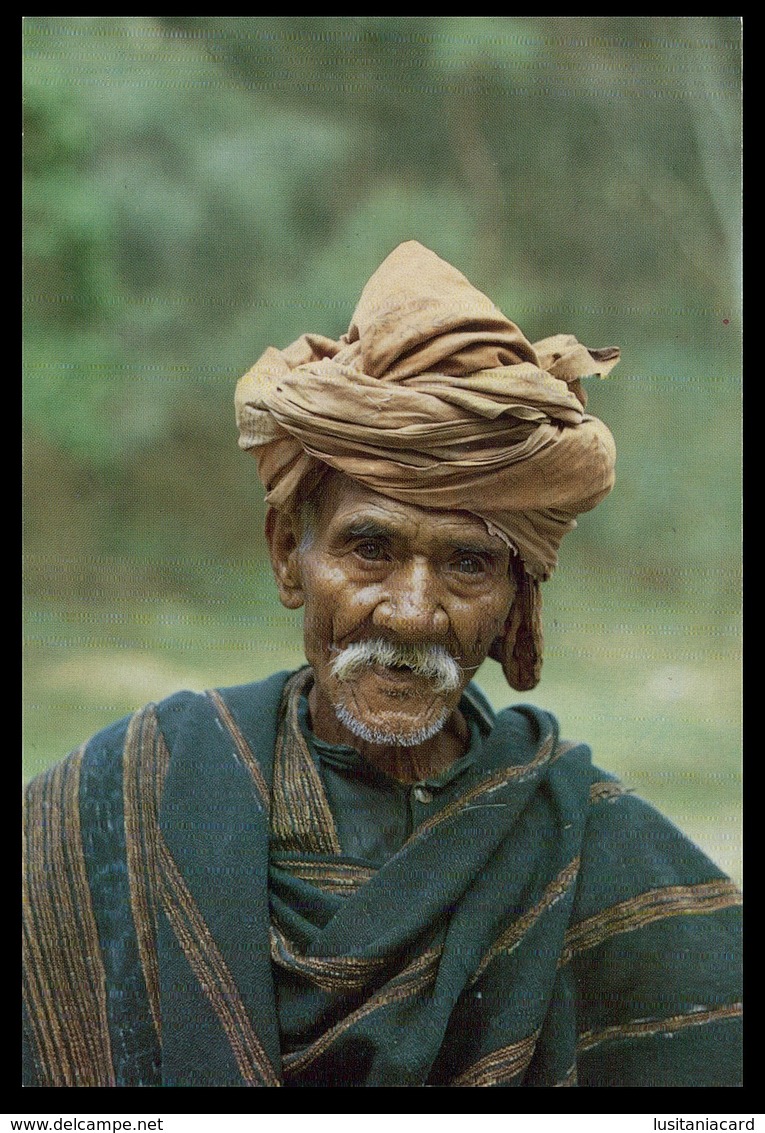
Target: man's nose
{"points": [[411, 606]]}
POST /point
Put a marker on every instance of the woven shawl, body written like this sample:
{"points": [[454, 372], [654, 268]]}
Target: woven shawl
{"points": [[190, 919]]}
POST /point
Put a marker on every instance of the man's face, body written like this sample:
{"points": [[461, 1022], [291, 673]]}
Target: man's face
{"points": [[371, 569]]}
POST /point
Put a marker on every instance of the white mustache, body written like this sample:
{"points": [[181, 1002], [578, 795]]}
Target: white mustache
{"points": [[430, 661]]}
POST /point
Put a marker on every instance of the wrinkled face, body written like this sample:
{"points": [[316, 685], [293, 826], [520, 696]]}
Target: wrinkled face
{"points": [[430, 590]]}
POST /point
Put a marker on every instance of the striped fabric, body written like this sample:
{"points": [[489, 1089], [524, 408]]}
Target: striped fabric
{"points": [[191, 920]]}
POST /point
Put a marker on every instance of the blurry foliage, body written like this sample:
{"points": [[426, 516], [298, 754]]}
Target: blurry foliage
{"points": [[198, 188]]}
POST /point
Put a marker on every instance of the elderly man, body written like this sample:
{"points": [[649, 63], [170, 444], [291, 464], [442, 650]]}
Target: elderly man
{"points": [[358, 874]]}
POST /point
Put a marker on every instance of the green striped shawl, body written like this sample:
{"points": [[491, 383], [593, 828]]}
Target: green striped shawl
{"points": [[189, 919]]}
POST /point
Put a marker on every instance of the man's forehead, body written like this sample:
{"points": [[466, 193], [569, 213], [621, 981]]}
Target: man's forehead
{"points": [[348, 506]]}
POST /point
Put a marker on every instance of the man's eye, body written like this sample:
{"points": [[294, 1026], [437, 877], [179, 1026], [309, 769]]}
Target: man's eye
{"points": [[370, 550], [469, 564]]}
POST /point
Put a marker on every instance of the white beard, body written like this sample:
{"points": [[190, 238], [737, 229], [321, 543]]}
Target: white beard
{"points": [[432, 662], [387, 739]]}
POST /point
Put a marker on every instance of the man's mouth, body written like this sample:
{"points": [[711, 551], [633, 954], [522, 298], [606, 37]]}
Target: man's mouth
{"points": [[399, 672]]}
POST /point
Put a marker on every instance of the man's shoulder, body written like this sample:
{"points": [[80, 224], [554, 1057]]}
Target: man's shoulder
{"points": [[523, 731], [619, 825], [88, 806], [246, 706]]}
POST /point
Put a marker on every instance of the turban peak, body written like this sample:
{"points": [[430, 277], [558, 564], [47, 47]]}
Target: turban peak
{"points": [[419, 314]]}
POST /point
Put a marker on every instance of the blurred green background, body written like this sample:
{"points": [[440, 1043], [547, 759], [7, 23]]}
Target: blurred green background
{"points": [[199, 188]]}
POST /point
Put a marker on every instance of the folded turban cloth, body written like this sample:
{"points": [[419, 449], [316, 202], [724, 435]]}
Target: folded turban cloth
{"points": [[434, 398]]}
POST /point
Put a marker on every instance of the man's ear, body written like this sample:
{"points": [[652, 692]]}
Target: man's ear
{"points": [[282, 537]]}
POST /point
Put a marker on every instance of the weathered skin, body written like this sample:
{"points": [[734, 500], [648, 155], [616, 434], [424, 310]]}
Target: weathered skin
{"points": [[373, 567]]}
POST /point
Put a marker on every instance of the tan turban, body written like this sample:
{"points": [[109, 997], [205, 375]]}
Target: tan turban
{"points": [[433, 397]]}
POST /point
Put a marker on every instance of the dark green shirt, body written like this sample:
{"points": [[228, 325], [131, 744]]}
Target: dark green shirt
{"points": [[374, 814]]}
